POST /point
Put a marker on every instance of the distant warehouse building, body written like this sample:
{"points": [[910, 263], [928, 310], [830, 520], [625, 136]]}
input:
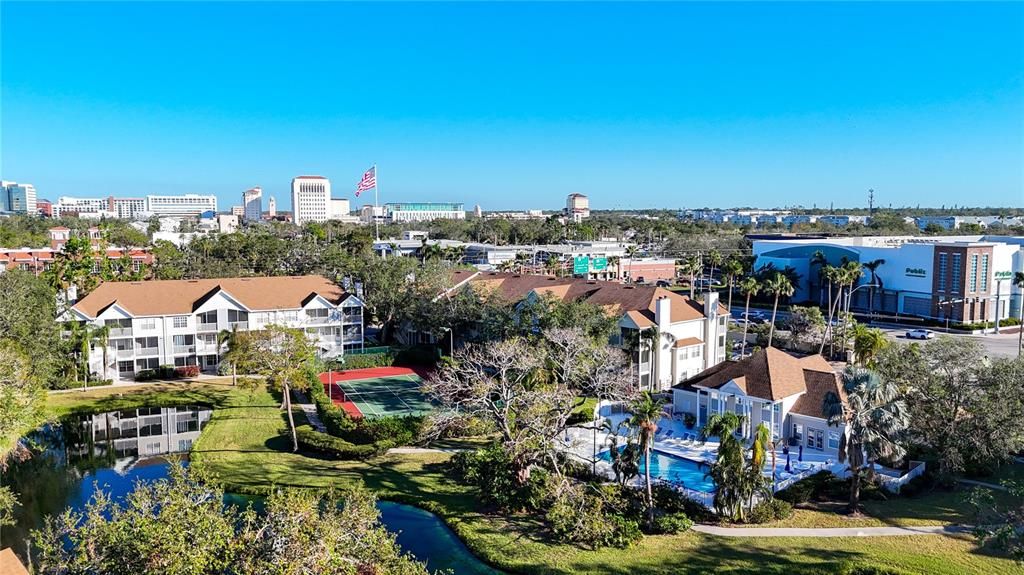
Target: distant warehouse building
{"points": [[424, 211], [962, 278]]}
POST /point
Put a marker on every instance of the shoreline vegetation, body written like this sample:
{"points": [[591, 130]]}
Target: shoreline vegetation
{"points": [[243, 448]]}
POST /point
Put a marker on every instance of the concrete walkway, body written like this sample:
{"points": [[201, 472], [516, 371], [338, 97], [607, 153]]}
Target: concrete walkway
{"points": [[310, 411], [830, 531]]}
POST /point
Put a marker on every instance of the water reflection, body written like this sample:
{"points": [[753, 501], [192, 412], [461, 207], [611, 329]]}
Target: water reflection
{"points": [[69, 459]]}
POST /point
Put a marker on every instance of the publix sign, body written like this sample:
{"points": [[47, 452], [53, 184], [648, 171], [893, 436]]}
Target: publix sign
{"points": [[916, 272], [1004, 276]]}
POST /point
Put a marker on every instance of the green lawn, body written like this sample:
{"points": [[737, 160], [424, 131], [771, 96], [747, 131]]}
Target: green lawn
{"points": [[242, 444]]}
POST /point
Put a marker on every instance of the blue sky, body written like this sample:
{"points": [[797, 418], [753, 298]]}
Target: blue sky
{"points": [[516, 105]]}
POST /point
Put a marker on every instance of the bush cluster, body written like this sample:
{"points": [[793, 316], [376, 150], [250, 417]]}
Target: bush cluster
{"points": [[489, 471], [337, 447], [824, 486], [167, 372], [770, 510], [578, 514]]}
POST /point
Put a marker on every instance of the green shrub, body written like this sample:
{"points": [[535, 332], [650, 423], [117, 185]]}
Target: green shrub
{"points": [[672, 523], [417, 355], [815, 487], [368, 360], [336, 447], [490, 471], [670, 500], [770, 510], [577, 515]]}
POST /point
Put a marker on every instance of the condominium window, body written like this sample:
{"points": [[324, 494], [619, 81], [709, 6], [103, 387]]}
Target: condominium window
{"points": [[943, 270], [235, 315], [148, 323], [180, 321], [972, 274], [317, 313], [124, 366], [208, 317], [957, 260], [984, 272], [833, 440], [798, 431]]}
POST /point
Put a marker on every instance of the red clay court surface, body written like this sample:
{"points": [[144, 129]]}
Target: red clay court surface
{"points": [[376, 391]]}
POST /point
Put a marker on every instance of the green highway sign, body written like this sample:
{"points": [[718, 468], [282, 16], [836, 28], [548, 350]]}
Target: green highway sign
{"points": [[581, 265], [599, 264]]}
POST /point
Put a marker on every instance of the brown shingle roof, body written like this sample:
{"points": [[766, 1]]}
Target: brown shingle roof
{"points": [[167, 297], [687, 342], [9, 563], [818, 385], [769, 374], [617, 298]]}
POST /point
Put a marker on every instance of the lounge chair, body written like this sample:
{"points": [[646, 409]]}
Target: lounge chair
{"points": [[668, 434]]}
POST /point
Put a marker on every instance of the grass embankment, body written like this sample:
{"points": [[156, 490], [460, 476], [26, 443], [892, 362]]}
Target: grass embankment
{"points": [[242, 444]]}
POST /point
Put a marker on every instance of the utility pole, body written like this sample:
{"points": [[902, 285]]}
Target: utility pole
{"points": [[871, 201]]}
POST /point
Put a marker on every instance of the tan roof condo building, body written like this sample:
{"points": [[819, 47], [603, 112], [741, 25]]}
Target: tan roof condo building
{"points": [[311, 199], [176, 322]]}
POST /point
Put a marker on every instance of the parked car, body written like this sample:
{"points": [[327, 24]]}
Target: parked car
{"points": [[756, 317], [920, 334], [662, 283]]}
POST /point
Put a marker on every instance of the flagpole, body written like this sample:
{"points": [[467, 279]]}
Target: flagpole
{"points": [[376, 191]]}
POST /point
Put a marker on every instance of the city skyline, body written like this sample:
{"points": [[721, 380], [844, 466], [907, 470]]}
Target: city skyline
{"points": [[657, 105]]}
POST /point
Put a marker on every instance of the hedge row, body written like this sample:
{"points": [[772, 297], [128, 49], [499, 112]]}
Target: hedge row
{"points": [[399, 430], [168, 372], [337, 447]]}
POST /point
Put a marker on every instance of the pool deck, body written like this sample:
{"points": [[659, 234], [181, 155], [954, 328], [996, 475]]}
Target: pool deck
{"points": [[671, 439]]}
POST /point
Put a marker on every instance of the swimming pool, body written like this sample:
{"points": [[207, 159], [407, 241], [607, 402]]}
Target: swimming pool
{"points": [[674, 468]]}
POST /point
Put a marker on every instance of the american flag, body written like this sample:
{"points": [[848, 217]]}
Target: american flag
{"points": [[368, 182]]}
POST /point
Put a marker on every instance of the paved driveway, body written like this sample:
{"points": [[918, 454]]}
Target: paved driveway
{"points": [[1001, 345]]}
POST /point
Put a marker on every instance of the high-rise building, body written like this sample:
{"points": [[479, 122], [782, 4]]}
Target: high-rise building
{"points": [[311, 198], [186, 205], [127, 208], [339, 209], [17, 198], [238, 211], [272, 207], [252, 201], [577, 207], [66, 206]]}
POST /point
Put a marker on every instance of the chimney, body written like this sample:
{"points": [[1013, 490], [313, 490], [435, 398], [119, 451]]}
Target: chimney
{"points": [[663, 313], [711, 305]]}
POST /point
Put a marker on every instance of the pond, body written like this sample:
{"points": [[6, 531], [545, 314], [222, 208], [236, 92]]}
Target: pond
{"points": [[116, 449]]}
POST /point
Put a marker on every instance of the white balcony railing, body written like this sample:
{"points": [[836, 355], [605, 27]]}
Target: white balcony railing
{"points": [[125, 353], [318, 320], [239, 324], [147, 351], [201, 326], [116, 332], [180, 349]]}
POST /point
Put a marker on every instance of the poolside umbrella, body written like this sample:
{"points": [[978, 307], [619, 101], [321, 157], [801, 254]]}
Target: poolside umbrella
{"points": [[800, 456], [788, 469]]}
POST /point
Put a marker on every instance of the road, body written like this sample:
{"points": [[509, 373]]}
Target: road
{"points": [[1001, 345]]}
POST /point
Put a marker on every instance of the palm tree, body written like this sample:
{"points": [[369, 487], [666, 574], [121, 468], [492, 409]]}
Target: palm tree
{"points": [[779, 286], [748, 287], [760, 446], [101, 336], [229, 338], [876, 281], [819, 261], [732, 269], [692, 266], [874, 416], [85, 340], [431, 251], [832, 275], [1018, 281], [852, 273], [714, 259], [522, 258], [647, 413], [727, 470], [868, 342], [507, 266], [632, 252]]}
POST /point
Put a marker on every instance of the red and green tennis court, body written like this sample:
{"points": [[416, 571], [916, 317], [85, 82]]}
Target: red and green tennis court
{"points": [[377, 391]]}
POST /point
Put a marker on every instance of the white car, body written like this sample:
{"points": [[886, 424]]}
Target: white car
{"points": [[920, 334]]}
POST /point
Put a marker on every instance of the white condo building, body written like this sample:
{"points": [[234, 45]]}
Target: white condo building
{"points": [[311, 198], [272, 207], [180, 206], [176, 322], [424, 211], [252, 202]]}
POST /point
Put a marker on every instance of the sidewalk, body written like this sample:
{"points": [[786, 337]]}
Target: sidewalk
{"points": [[310, 412], [830, 531]]}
